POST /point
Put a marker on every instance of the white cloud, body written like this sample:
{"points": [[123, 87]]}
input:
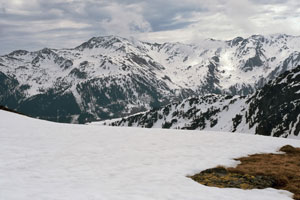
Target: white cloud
{"points": [[20, 4], [124, 20]]}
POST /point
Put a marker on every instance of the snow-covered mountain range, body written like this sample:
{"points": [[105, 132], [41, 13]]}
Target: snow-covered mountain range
{"points": [[108, 77], [273, 110]]}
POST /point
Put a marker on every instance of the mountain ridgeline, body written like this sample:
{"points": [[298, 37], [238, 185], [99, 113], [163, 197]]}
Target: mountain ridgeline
{"points": [[273, 110], [109, 77]]}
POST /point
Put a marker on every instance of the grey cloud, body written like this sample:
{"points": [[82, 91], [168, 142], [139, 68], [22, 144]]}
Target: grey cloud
{"points": [[269, 1], [60, 23]]}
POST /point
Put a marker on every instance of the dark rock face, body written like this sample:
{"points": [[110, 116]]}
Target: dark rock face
{"points": [[78, 74], [252, 62], [287, 63], [10, 93], [236, 41], [18, 53], [236, 121], [241, 90], [275, 109], [212, 80]]}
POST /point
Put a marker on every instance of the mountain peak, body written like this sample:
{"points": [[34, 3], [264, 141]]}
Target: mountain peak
{"points": [[103, 41], [235, 41], [18, 53], [256, 36]]}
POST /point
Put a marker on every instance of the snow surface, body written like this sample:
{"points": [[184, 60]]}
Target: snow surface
{"points": [[41, 160]]}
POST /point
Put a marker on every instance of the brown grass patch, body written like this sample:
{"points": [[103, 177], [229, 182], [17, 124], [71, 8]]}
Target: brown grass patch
{"points": [[280, 171]]}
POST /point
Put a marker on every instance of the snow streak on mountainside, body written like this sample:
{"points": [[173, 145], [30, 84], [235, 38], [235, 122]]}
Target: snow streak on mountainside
{"points": [[273, 110], [41, 160], [108, 77]]}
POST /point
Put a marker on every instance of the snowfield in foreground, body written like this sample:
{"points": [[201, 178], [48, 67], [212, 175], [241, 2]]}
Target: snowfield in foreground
{"points": [[41, 160]]}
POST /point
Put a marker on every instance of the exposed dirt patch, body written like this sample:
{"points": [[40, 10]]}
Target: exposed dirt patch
{"points": [[280, 171]]}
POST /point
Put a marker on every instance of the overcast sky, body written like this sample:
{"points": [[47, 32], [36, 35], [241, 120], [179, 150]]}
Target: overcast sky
{"points": [[34, 24]]}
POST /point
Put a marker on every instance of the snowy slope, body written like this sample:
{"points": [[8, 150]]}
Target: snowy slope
{"points": [[210, 112], [50, 161], [273, 110], [109, 77]]}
